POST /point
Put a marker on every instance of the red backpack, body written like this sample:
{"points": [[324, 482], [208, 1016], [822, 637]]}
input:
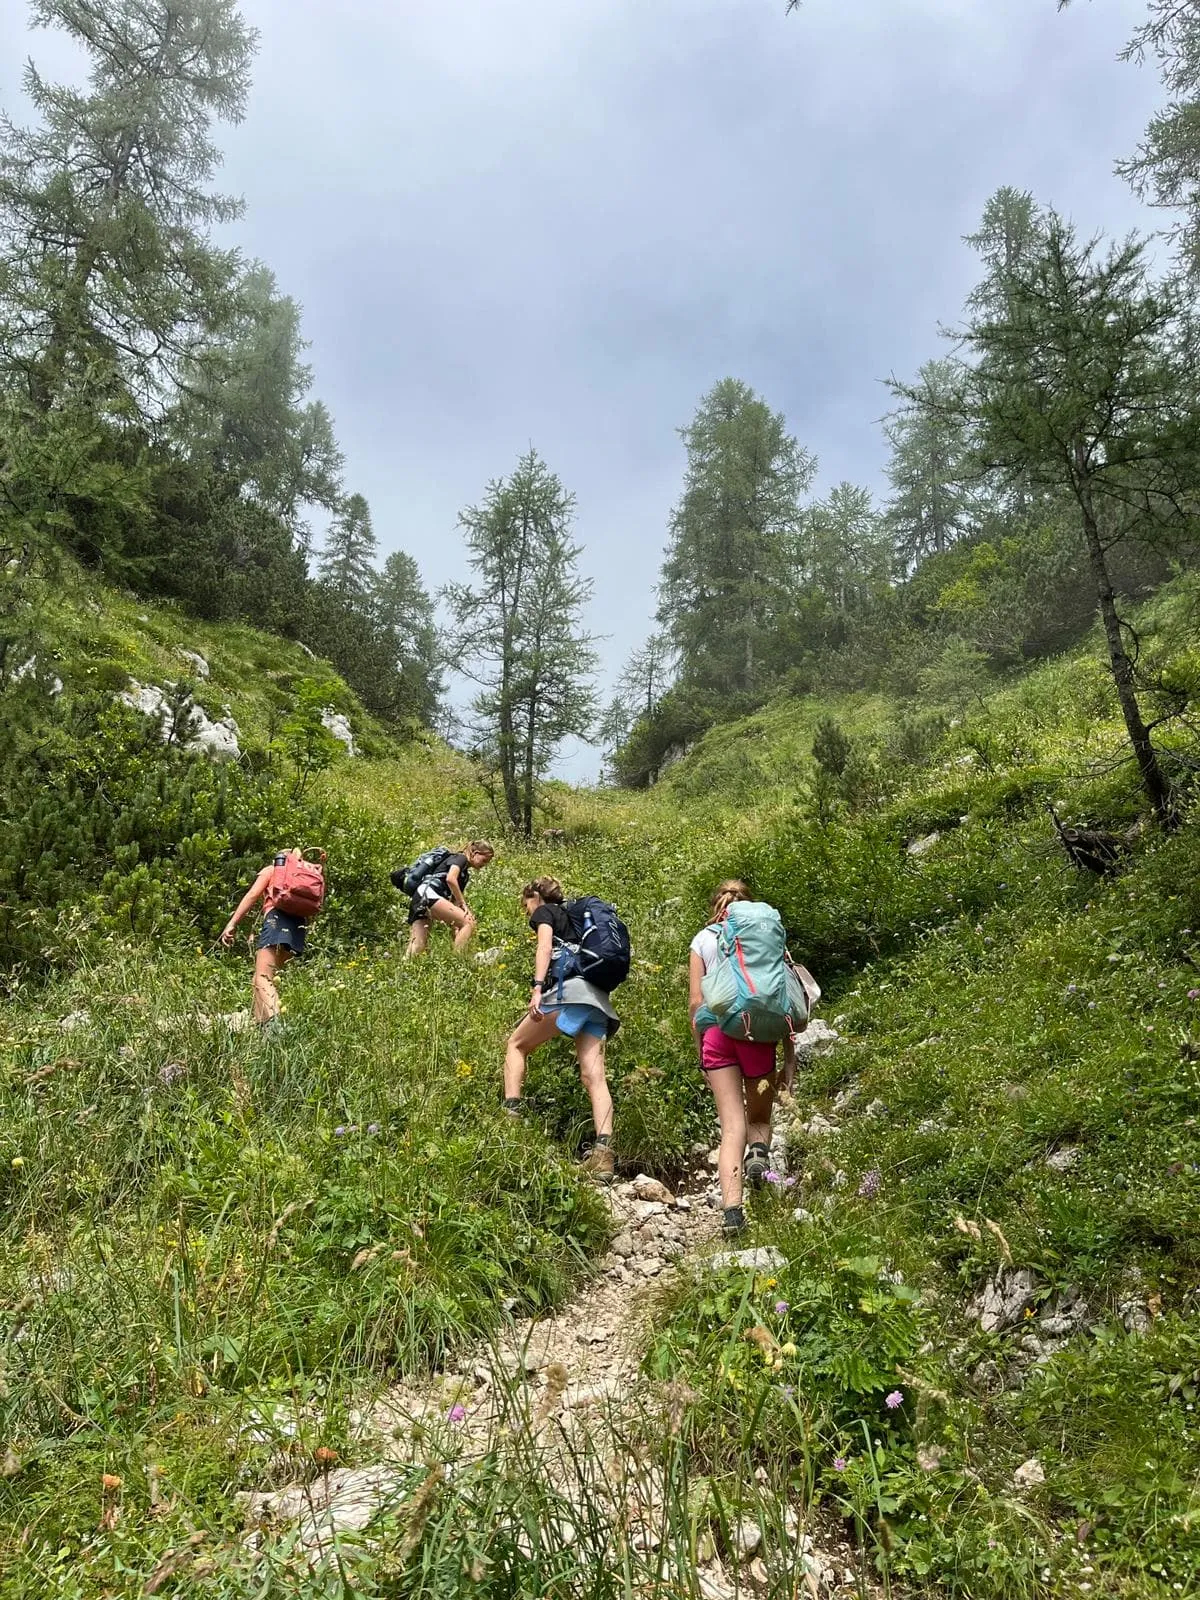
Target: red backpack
{"points": [[297, 888]]}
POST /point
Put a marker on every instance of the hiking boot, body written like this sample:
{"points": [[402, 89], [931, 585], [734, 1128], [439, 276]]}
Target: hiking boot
{"points": [[758, 1164], [513, 1108], [734, 1222], [598, 1164]]}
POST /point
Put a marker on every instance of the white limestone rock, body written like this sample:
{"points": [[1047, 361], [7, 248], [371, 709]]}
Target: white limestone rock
{"points": [[196, 661], [339, 726]]}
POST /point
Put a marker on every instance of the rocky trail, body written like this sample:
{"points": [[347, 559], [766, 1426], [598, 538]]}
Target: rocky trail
{"points": [[566, 1394]]}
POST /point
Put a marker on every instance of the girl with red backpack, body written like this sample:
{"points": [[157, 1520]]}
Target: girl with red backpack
{"points": [[740, 1071], [292, 891]]}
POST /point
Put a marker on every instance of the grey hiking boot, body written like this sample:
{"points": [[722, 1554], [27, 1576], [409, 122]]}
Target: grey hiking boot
{"points": [[598, 1164], [734, 1222], [758, 1164]]}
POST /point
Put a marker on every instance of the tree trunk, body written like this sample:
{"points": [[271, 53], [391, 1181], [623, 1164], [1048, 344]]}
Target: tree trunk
{"points": [[1153, 781]]}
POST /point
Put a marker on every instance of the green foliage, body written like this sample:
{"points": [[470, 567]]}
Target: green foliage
{"points": [[304, 738]]}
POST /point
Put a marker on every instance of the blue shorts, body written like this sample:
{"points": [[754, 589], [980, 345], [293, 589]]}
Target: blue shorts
{"points": [[280, 929], [574, 1020]]}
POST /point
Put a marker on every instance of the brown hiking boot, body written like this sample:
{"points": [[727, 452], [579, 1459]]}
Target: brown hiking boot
{"points": [[598, 1164]]}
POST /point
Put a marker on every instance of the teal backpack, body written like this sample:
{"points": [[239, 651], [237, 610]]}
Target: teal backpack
{"points": [[752, 991]]}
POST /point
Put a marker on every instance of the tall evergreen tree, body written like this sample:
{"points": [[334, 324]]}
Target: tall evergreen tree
{"points": [[729, 566], [1081, 390], [347, 560], [105, 206], [246, 413], [844, 547], [405, 612], [520, 629], [932, 467]]}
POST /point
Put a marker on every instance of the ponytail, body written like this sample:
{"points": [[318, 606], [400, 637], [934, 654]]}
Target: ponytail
{"points": [[547, 889], [724, 895]]}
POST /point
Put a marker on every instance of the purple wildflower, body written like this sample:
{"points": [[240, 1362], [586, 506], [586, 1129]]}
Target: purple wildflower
{"points": [[373, 1127], [839, 1463], [896, 1398], [781, 1308], [339, 1131], [771, 1176], [1072, 988], [1194, 994], [457, 1413], [869, 1187]]}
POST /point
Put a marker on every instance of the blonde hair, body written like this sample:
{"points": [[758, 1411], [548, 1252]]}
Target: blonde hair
{"points": [[725, 894], [480, 847], [547, 889]]}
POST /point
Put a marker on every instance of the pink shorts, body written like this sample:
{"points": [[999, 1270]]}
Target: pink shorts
{"points": [[719, 1050]]}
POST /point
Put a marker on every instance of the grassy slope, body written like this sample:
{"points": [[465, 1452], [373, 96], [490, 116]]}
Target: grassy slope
{"points": [[184, 1250]]}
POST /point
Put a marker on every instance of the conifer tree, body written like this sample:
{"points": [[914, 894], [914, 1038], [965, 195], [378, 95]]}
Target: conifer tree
{"points": [[932, 467], [405, 613], [729, 568], [105, 206], [1082, 390], [518, 631], [347, 560]]}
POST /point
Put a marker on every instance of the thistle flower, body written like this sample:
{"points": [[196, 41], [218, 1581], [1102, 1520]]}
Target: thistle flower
{"points": [[457, 1413], [895, 1399], [839, 1463]]}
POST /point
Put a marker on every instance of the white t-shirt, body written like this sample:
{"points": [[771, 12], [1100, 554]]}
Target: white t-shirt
{"points": [[706, 947]]}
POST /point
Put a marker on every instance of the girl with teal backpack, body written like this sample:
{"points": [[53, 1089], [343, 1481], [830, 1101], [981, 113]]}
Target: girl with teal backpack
{"points": [[745, 998]]}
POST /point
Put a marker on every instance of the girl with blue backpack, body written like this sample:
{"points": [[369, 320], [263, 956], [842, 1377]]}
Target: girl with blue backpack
{"points": [[744, 999], [582, 954]]}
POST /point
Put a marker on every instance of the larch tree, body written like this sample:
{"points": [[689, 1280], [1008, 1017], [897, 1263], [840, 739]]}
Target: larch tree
{"points": [[520, 631], [405, 612], [1081, 388], [931, 466], [728, 572], [106, 205], [844, 548], [347, 563], [245, 410]]}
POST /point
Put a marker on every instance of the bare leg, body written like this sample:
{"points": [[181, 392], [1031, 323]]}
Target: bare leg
{"points": [[418, 938], [267, 964], [760, 1100], [726, 1086], [526, 1037], [454, 917], [590, 1052]]}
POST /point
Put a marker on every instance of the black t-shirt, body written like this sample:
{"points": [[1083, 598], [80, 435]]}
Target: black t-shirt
{"points": [[439, 879], [555, 918]]}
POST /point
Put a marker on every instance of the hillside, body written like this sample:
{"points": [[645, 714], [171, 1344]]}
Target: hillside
{"points": [[218, 1249]]}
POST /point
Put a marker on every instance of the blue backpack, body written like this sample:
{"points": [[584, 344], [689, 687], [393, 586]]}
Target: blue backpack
{"points": [[409, 879], [600, 951], [752, 990]]}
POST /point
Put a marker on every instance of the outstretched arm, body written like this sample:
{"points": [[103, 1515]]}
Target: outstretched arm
{"points": [[253, 894]]}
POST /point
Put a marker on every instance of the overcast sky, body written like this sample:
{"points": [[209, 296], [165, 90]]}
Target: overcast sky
{"points": [[560, 221]]}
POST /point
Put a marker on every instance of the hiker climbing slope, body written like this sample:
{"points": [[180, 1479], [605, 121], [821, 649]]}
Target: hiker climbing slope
{"points": [[436, 884], [582, 955], [292, 891], [744, 999]]}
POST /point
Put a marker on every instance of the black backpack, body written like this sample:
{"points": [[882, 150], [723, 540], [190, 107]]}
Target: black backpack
{"points": [[600, 952], [409, 879]]}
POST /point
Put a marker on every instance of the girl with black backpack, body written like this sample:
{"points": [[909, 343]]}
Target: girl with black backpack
{"points": [[437, 884], [570, 1005]]}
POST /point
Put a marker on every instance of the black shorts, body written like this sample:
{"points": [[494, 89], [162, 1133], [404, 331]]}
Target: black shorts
{"points": [[418, 907], [280, 929]]}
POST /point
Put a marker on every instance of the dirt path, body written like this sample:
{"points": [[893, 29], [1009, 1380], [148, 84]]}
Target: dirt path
{"points": [[571, 1386]]}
